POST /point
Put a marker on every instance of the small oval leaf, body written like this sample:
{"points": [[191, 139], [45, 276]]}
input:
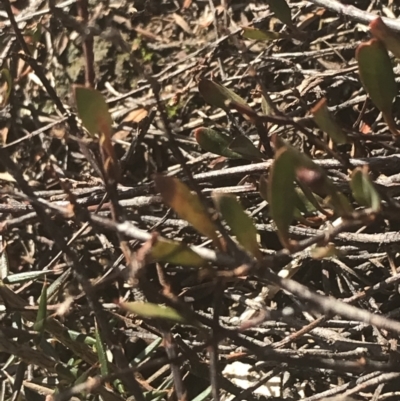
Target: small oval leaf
{"points": [[176, 253], [93, 110], [186, 204], [245, 147], [281, 10], [377, 77], [217, 95], [281, 193], [327, 123], [363, 190], [215, 142], [154, 311], [259, 34], [239, 221]]}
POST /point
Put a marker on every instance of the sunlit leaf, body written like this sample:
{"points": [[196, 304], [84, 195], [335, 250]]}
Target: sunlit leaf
{"points": [[215, 142], [382, 32], [101, 352], [176, 253], [327, 123], [239, 221], [93, 110], [313, 176], [186, 204], [267, 110], [154, 311], [281, 10], [245, 147], [40, 322], [363, 190], [94, 113], [281, 193], [377, 77], [259, 34], [7, 83], [217, 95], [322, 252]]}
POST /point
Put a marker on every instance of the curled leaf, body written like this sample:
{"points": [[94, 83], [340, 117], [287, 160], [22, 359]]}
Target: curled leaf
{"points": [[382, 32], [327, 123], [239, 221], [186, 204]]}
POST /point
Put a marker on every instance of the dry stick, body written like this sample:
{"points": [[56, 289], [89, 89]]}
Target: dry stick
{"points": [[87, 45], [386, 163], [329, 306], [73, 262], [320, 303], [343, 387], [355, 13], [213, 347]]}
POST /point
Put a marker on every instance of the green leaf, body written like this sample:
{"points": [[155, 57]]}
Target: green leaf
{"points": [[377, 77], [148, 351], [281, 10], [245, 147], [327, 123], [186, 204], [281, 193], [6, 79], [101, 352], [175, 252], [259, 34], [41, 316], [382, 32], [313, 176], [217, 95], [215, 142], [154, 311], [266, 109], [93, 111], [239, 221], [363, 190]]}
